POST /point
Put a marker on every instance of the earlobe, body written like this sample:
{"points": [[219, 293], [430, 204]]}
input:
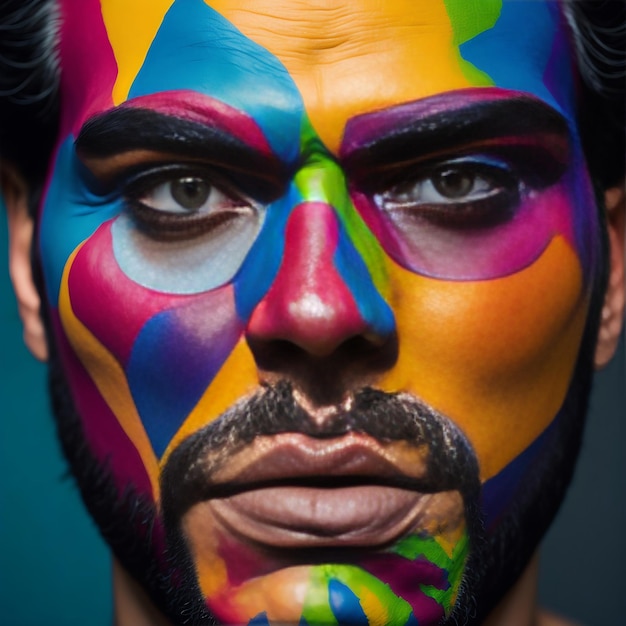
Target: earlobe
{"points": [[20, 226], [613, 309]]}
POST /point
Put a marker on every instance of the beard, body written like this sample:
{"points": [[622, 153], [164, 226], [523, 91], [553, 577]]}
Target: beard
{"points": [[128, 521]]}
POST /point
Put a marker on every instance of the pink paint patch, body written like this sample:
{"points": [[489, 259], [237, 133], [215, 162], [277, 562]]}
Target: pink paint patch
{"points": [[103, 432], [116, 311], [88, 66], [309, 304], [197, 107]]}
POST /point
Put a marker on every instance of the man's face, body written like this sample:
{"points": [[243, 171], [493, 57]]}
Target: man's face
{"points": [[315, 274]]}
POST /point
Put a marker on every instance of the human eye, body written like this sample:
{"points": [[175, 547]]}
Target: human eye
{"points": [[467, 192], [175, 201]]}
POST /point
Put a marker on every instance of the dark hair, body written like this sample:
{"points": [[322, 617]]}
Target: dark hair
{"points": [[29, 84]]}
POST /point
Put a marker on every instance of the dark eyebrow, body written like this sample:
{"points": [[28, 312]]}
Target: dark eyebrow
{"points": [[128, 129], [444, 123]]}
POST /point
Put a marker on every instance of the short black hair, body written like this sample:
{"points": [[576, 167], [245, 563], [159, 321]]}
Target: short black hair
{"points": [[30, 76]]}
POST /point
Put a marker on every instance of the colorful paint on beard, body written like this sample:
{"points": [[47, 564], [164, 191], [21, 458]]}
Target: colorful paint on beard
{"points": [[400, 562]]}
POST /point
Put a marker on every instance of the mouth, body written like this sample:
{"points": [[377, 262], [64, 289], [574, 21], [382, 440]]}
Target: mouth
{"points": [[290, 491]]}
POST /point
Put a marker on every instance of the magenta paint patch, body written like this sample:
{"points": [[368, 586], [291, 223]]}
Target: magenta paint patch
{"points": [[87, 80], [119, 308], [102, 430], [309, 302], [406, 577], [196, 107]]}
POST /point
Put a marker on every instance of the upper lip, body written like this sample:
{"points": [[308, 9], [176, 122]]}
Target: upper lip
{"points": [[293, 458]]}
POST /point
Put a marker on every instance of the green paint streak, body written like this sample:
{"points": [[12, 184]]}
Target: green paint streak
{"points": [[317, 608], [414, 547], [320, 179], [470, 18]]}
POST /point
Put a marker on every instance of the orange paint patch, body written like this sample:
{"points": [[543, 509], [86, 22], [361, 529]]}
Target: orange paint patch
{"points": [[382, 52], [236, 379], [496, 356]]}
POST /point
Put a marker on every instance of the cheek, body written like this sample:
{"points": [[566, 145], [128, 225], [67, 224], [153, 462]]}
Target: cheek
{"points": [[150, 355], [495, 355]]}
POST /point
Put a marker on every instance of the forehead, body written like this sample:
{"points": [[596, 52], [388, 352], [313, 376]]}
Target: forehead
{"points": [[330, 59]]}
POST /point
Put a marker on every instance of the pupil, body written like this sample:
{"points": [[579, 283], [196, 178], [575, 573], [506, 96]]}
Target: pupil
{"points": [[190, 193], [453, 183]]}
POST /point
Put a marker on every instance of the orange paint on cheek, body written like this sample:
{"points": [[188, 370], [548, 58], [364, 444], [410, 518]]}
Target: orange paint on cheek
{"points": [[348, 59], [236, 379], [497, 355]]}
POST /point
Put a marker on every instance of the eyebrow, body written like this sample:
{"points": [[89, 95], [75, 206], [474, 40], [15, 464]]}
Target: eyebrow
{"points": [[443, 123], [128, 129]]}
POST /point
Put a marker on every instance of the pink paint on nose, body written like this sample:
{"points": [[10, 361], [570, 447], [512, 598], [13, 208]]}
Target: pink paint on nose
{"points": [[309, 304]]}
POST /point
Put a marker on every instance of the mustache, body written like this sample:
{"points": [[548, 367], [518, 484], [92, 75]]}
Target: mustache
{"points": [[387, 417]]}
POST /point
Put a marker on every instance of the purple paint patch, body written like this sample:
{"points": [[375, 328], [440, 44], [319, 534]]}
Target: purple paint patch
{"points": [[406, 578], [175, 358]]}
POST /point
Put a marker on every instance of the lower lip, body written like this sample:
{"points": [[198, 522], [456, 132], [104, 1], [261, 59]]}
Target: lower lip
{"points": [[300, 517]]}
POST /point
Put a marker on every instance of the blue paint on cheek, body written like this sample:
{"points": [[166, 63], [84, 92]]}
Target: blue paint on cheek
{"points": [[71, 213], [262, 263], [259, 620], [412, 621], [516, 60], [373, 309], [174, 359], [345, 605], [198, 49]]}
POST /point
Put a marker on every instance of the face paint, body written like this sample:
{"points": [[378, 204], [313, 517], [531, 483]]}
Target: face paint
{"points": [[312, 286]]}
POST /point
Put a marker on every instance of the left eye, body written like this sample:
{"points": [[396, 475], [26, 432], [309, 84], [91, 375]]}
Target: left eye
{"points": [[457, 194]]}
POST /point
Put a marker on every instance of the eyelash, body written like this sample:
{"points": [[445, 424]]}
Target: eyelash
{"points": [[162, 223], [490, 191]]}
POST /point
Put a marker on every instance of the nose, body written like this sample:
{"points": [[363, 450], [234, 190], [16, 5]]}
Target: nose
{"points": [[322, 325]]}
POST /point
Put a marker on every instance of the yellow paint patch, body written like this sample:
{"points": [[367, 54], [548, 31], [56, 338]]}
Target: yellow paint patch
{"points": [[376, 611], [237, 378], [356, 57], [108, 376], [496, 356], [131, 26]]}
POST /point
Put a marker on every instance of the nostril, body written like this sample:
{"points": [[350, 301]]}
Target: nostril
{"points": [[324, 380]]}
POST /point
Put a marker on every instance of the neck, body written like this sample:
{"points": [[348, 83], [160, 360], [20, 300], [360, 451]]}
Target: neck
{"points": [[517, 608]]}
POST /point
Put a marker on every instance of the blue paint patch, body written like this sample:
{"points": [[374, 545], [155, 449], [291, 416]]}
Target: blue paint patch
{"points": [[173, 361], [259, 620], [352, 269], [71, 214], [345, 605], [498, 492], [196, 48], [412, 621], [263, 261], [512, 58]]}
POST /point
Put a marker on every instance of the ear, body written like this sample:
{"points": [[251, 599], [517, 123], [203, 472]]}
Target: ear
{"points": [[613, 309], [15, 192]]}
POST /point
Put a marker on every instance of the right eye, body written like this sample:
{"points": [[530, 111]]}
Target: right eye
{"points": [[185, 195], [174, 201]]}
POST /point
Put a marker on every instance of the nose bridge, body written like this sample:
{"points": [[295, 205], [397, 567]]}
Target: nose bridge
{"points": [[323, 293]]}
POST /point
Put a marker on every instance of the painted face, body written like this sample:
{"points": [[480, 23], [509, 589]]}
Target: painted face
{"points": [[318, 279]]}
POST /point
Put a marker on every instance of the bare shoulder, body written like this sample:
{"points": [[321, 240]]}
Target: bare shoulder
{"points": [[546, 618]]}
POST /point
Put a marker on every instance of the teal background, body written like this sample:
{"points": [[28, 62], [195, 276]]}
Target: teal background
{"points": [[55, 570]]}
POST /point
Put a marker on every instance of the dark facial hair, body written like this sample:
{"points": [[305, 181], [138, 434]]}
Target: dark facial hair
{"points": [[493, 565]]}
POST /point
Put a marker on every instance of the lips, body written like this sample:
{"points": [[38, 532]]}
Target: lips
{"points": [[293, 491]]}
